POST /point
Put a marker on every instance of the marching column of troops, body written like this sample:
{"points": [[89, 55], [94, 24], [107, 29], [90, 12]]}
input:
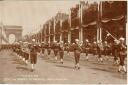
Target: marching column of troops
{"points": [[28, 52]]}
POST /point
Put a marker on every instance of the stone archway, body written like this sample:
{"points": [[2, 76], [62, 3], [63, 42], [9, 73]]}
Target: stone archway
{"points": [[15, 30]]}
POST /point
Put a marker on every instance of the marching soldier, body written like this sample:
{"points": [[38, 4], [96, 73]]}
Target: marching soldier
{"points": [[77, 51], [115, 51], [106, 49], [122, 54], [42, 48], [56, 49], [38, 47], [20, 50], [67, 47], [100, 50], [48, 47], [94, 48], [23, 54], [17, 49], [26, 53], [33, 55], [61, 51], [86, 48]]}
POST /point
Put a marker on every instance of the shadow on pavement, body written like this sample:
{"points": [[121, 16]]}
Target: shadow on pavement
{"points": [[98, 63], [68, 67], [121, 76], [23, 68], [106, 70], [17, 61], [50, 61], [2, 81]]}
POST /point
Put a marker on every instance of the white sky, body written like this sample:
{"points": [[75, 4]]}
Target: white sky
{"points": [[31, 14]]}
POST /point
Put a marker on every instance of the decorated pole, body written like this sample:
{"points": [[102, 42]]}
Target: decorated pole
{"points": [[69, 32], [45, 33], [81, 21], [98, 28], [61, 35], [100, 11], [49, 31], [41, 35], [127, 33], [54, 30]]}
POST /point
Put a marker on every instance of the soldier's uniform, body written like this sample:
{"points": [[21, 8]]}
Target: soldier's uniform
{"points": [[100, 51], [48, 47], [42, 48], [94, 48], [67, 46], [26, 54], [86, 48], [115, 51], [33, 54], [122, 54], [106, 49], [20, 52], [56, 49], [77, 51], [61, 52], [23, 54]]}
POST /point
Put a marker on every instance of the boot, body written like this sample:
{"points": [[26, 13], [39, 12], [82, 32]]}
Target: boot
{"points": [[56, 58], [119, 69], [124, 69]]}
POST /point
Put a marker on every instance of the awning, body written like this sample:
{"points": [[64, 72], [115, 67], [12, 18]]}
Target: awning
{"points": [[84, 25], [72, 28], [51, 34], [90, 24], [64, 31], [118, 18], [77, 27], [114, 19], [105, 20]]}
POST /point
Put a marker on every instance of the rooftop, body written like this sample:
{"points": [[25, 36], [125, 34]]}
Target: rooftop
{"points": [[12, 27]]}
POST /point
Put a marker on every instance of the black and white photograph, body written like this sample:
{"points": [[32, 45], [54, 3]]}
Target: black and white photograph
{"points": [[63, 42]]}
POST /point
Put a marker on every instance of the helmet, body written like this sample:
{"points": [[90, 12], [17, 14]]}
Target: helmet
{"points": [[33, 40], [121, 39], [116, 41], [87, 40], [76, 40]]}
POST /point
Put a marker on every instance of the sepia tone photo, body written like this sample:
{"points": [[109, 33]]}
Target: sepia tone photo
{"points": [[63, 42]]}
